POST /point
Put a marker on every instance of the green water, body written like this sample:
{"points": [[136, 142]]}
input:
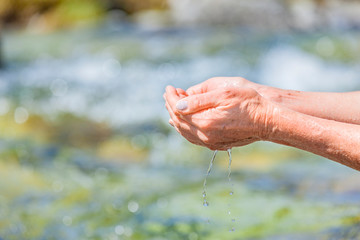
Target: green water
{"points": [[86, 151]]}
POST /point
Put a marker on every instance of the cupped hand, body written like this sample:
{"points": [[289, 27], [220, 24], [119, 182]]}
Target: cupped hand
{"points": [[220, 82], [172, 96], [219, 117]]}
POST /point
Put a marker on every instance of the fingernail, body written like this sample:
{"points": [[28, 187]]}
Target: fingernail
{"points": [[181, 105]]}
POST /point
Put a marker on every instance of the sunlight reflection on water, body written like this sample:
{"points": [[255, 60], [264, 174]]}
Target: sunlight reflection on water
{"points": [[108, 87], [120, 80]]}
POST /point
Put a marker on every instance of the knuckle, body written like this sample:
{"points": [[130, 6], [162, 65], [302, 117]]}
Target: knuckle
{"points": [[229, 92]]}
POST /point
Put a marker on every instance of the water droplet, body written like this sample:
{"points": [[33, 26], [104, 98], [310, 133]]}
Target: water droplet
{"points": [[133, 206], [231, 184], [21, 115], [119, 230], [67, 220], [207, 174]]}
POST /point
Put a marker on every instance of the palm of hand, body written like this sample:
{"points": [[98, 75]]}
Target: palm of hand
{"points": [[232, 122], [229, 119]]}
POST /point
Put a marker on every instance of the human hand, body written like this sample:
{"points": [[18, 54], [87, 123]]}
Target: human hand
{"points": [[221, 82], [222, 118]]}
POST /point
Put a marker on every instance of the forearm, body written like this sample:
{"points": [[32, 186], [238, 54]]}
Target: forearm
{"points": [[341, 107], [334, 140]]}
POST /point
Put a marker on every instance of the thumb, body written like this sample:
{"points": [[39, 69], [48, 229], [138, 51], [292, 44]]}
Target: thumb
{"points": [[196, 103]]}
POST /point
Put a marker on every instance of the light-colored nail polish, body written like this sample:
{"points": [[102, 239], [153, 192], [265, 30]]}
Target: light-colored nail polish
{"points": [[181, 105]]}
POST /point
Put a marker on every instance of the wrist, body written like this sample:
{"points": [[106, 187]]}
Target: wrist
{"points": [[286, 126], [270, 93], [267, 120]]}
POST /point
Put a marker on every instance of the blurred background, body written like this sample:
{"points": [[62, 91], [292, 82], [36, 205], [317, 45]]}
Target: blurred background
{"points": [[85, 148]]}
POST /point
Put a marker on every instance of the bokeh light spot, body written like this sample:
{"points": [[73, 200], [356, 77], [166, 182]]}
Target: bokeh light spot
{"points": [[4, 106], [67, 220], [133, 206], [21, 115], [119, 230]]}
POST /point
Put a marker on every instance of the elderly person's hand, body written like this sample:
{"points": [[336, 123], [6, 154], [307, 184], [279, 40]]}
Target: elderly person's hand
{"points": [[222, 113], [221, 82], [219, 114]]}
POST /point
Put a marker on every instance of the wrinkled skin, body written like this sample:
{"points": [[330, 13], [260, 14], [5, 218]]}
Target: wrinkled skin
{"points": [[219, 83], [221, 113], [224, 112]]}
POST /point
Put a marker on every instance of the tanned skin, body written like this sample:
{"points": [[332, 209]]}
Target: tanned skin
{"points": [[225, 112]]}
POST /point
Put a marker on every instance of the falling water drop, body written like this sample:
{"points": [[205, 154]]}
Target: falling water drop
{"points": [[231, 193], [205, 202], [229, 170]]}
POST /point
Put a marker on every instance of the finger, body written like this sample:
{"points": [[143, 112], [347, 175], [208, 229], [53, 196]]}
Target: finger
{"points": [[181, 93], [178, 117], [172, 97], [177, 121], [196, 89], [190, 132], [188, 137], [173, 117], [198, 102]]}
